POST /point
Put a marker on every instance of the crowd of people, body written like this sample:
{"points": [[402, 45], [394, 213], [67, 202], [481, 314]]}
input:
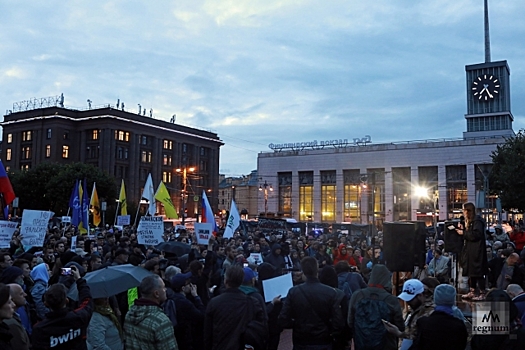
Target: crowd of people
{"points": [[211, 297]]}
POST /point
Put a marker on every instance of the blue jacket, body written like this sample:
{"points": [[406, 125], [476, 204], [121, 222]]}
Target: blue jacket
{"points": [[40, 275]]}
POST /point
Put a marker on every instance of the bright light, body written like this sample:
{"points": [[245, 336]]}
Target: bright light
{"points": [[421, 191]]}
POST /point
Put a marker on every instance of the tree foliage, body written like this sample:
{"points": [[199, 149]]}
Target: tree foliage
{"points": [[48, 186], [507, 178]]}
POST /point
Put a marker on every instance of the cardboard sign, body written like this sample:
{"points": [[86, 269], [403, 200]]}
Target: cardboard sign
{"points": [[34, 227], [203, 232], [255, 258], [73, 243], [150, 230], [123, 220], [7, 228], [277, 286], [66, 219]]}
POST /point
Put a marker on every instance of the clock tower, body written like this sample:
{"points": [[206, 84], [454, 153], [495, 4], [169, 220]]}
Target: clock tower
{"points": [[488, 95]]}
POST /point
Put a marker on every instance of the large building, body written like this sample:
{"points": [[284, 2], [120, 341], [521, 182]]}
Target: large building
{"points": [[126, 145], [245, 190], [357, 181]]}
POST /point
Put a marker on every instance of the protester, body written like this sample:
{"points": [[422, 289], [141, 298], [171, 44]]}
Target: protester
{"points": [[273, 308], [312, 310], [228, 314], [20, 340], [439, 266], [369, 306], [474, 254], [518, 298], [146, 326], [104, 330], [7, 309], [62, 328], [40, 274]]}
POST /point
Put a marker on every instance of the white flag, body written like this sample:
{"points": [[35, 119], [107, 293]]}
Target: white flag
{"points": [[149, 194], [234, 220]]}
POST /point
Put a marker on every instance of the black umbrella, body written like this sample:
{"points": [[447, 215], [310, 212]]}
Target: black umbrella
{"points": [[174, 247]]}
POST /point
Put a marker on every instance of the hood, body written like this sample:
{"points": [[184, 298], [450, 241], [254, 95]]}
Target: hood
{"points": [[275, 247], [142, 310], [248, 289], [340, 248], [380, 276], [39, 272]]}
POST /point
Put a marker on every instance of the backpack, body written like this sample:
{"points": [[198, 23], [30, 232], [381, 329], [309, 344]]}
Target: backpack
{"points": [[344, 285], [255, 332], [171, 311], [369, 330]]}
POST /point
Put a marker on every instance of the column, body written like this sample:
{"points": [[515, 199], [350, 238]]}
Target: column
{"points": [[442, 189]]}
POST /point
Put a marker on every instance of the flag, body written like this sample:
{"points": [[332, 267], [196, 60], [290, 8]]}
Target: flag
{"points": [[234, 220], [122, 200], [74, 204], [83, 225], [95, 206], [207, 213], [163, 196], [6, 190], [149, 194]]}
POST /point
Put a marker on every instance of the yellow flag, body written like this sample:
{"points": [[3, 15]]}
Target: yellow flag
{"points": [[163, 196], [122, 200], [95, 206]]}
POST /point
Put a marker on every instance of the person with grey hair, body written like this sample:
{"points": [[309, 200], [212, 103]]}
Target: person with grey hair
{"points": [[146, 326], [170, 272], [515, 291]]}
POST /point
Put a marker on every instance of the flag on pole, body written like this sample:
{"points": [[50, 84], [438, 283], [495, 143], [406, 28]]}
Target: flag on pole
{"points": [[74, 204], [149, 194], [95, 206], [234, 220], [122, 200], [207, 213], [163, 196], [6, 190], [83, 225]]}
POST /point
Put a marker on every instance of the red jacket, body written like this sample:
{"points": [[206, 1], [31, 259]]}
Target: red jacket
{"points": [[518, 237]]}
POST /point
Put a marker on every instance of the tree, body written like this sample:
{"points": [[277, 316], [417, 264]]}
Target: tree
{"points": [[507, 178], [48, 186]]}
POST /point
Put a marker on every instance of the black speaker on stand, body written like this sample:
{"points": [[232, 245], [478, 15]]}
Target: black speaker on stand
{"points": [[453, 245], [399, 241]]}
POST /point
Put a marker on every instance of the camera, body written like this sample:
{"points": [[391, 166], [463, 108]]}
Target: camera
{"points": [[66, 271]]}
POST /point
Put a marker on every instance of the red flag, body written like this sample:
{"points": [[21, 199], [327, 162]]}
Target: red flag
{"points": [[5, 186]]}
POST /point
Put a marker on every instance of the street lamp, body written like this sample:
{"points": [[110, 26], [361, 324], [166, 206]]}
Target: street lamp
{"points": [[265, 187], [184, 195]]}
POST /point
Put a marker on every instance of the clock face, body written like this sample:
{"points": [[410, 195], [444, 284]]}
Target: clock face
{"points": [[485, 87]]}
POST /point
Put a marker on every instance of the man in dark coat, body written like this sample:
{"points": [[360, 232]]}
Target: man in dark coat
{"points": [[474, 254], [275, 258], [312, 310], [227, 314]]}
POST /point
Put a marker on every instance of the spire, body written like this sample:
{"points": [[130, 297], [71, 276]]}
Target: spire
{"points": [[487, 33]]}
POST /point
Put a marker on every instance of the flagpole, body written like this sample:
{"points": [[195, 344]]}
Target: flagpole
{"points": [[64, 229], [116, 213], [137, 215]]}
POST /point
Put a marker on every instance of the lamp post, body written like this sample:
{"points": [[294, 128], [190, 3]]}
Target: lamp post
{"points": [[265, 187], [184, 195]]}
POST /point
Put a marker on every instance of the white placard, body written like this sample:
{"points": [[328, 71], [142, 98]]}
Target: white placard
{"points": [[66, 219], [73, 243], [7, 228], [123, 220], [277, 286], [255, 258], [34, 227], [203, 233], [150, 230]]}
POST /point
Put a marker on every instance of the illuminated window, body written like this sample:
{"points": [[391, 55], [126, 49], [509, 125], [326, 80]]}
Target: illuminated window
{"points": [[328, 195], [167, 144], [8, 154], [26, 135], [26, 152], [65, 151], [48, 151], [166, 159], [94, 134], [166, 176], [285, 194], [146, 157], [9, 138], [306, 196], [122, 135]]}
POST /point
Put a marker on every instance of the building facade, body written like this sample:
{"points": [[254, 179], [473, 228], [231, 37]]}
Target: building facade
{"points": [[244, 190], [361, 182], [125, 145]]}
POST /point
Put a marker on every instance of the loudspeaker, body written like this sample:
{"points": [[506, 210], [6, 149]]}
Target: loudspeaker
{"points": [[453, 241], [420, 246], [399, 241]]}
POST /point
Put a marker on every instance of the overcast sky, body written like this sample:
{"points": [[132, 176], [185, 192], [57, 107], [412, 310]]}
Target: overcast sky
{"points": [[262, 71]]}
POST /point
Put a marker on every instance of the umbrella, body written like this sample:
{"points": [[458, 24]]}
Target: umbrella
{"points": [[111, 280], [174, 247]]}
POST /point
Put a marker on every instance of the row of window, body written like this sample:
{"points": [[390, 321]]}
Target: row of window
{"points": [[27, 152]]}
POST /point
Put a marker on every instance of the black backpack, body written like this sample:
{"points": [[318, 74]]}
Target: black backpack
{"points": [[369, 330]]}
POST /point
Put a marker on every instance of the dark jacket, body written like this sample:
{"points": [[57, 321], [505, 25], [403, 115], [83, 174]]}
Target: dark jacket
{"points": [[5, 337], [276, 260], [313, 311], [225, 318], [20, 339], [519, 301], [190, 319], [65, 329], [474, 253], [440, 331]]}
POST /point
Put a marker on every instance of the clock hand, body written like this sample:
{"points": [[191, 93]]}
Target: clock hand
{"points": [[491, 96]]}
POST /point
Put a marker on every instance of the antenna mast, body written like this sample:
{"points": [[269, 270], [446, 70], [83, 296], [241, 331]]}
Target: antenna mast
{"points": [[487, 33]]}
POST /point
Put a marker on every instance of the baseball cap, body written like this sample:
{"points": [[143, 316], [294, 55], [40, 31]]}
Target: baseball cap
{"points": [[179, 280], [249, 274], [411, 288]]}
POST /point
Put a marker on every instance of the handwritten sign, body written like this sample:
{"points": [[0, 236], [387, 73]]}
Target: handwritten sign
{"points": [[150, 230], [34, 227], [7, 228], [66, 219], [203, 233], [123, 220], [255, 258]]}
